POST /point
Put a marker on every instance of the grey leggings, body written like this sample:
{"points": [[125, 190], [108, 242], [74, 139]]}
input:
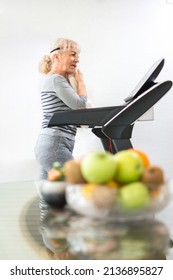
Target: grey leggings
{"points": [[52, 146]]}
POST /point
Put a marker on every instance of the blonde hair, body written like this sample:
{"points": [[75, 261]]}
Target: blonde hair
{"points": [[59, 45]]}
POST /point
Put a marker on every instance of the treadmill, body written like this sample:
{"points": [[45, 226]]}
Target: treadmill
{"points": [[113, 125]]}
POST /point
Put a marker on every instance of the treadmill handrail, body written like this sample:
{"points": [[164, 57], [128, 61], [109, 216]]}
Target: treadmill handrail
{"points": [[90, 117], [133, 111]]}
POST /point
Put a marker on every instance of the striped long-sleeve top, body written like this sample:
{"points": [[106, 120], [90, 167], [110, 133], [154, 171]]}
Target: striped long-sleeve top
{"points": [[58, 95]]}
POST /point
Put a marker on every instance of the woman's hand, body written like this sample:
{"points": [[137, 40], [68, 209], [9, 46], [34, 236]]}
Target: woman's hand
{"points": [[81, 89], [78, 76]]}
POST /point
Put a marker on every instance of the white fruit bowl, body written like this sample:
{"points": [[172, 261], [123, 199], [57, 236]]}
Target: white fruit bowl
{"points": [[84, 206]]}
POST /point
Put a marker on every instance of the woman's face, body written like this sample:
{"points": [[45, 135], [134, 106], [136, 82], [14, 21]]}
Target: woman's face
{"points": [[68, 62]]}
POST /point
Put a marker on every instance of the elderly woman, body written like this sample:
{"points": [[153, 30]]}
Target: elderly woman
{"points": [[57, 94]]}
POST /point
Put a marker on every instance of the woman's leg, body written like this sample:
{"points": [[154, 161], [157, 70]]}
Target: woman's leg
{"points": [[48, 150]]}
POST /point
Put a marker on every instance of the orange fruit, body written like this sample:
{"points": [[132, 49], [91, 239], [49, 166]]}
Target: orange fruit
{"points": [[54, 175], [142, 155], [88, 189], [112, 184]]}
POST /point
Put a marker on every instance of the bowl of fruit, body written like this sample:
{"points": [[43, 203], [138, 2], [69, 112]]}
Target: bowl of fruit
{"points": [[120, 187]]}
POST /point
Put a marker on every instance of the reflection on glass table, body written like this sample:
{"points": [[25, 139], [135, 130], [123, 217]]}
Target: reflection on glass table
{"points": [[71, 236], [78, 235], [27, 235]]}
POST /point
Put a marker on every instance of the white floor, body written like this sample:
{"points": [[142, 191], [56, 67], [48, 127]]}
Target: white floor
{"points": [[18, 170]]}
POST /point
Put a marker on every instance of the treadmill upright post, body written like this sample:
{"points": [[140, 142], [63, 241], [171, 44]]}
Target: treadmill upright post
{"points": [[119, 137]]}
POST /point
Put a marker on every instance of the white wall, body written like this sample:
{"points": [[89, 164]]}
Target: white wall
{"points": [[120, 40]]}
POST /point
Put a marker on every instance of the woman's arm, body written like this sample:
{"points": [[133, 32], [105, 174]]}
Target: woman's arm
{"points": [[68, 95]]}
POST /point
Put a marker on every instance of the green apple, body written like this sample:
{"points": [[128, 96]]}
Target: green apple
{"points": [[98, 167], [129, 167], [134, 195]]}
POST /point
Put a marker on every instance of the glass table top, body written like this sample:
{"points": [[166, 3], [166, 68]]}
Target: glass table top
{"points": [[25, 234]]}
